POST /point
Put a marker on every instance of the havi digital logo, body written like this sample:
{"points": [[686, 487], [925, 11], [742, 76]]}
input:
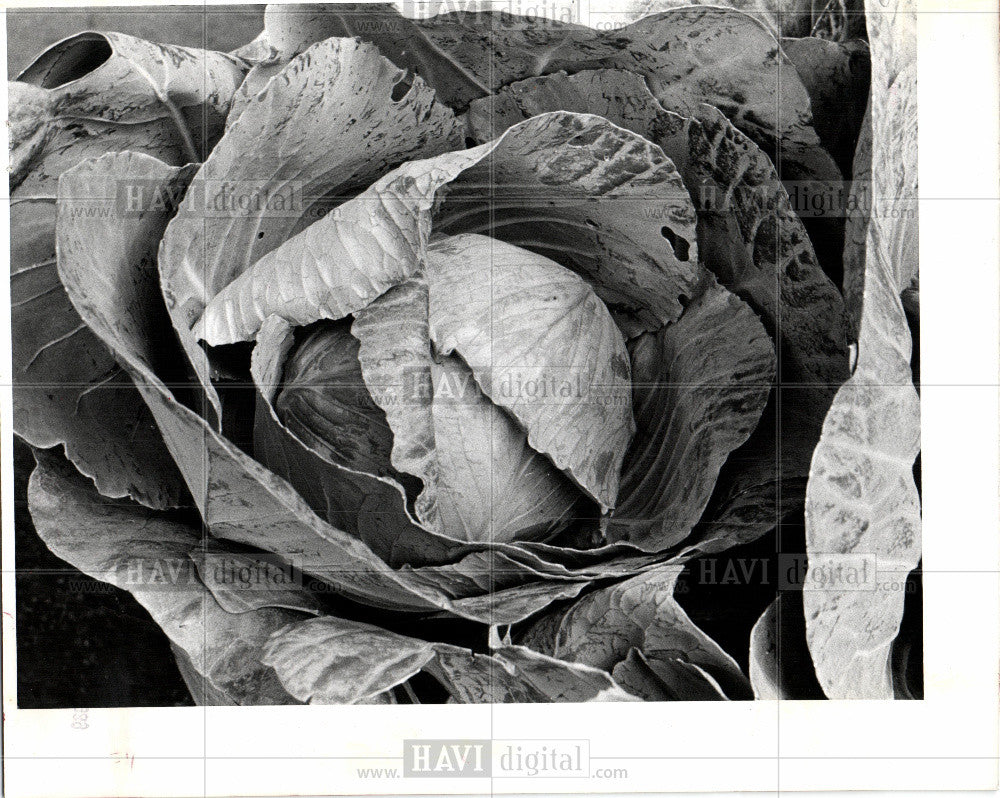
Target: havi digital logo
{"points": [[443, 758]]}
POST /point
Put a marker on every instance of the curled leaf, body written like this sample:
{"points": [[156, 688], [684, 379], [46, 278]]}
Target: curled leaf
{"points": [[297, 151], [698, 388], [540, 345], [85, 96], [640, 614], [780, 667], [343, 262], [333, 661]]}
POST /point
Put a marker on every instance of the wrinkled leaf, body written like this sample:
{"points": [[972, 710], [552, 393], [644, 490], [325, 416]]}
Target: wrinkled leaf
{"points": [[748, 233], [862, 506], [699, 387], [300, 148], [517, 319], [541, 180], [689, 56], [752, 240], [291, 29], [640, 614], [149, 555]]}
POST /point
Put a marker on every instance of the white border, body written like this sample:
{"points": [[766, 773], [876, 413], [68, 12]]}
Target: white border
{"points": [[947, 741]]}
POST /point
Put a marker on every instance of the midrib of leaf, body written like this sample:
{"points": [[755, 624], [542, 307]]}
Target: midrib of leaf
{"points": [[175, 113]]}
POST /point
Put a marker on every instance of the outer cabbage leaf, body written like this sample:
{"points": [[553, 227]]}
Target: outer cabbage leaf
{"points": [[333, 661], [238, 498], [638, 631], [298, 148], [85, 96], [862, 506], [105, 92], [517, 318], [690, 55], [290, 30], [69, 390], [699, 387], [856, 233], [148, 554]]}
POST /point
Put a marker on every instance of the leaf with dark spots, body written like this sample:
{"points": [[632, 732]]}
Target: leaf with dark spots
{"points": [[108, 92], [306, 143], [862, 505]]}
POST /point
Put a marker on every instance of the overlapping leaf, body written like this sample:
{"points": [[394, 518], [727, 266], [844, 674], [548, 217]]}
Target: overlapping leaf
{"points": [[753, 242], [298, 150], [698, 389], [636, 631], [837, 77], [519, 319], [862, 506], [540, 181], [291, 29], [238, 497], [332, 661], [149, 555], [690, 55], [88, 95]]}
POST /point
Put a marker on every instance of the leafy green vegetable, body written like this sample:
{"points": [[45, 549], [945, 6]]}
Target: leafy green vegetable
{"points": [[699, 387], [88, 95], [472, 326], [637, 631], [222, 643], [862, 506]]}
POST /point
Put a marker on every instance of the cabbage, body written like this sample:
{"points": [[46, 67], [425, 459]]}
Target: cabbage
{"points": [[457, 342]]}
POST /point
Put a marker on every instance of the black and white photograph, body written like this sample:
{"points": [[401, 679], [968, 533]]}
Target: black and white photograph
{"points": [[438, 352]]}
